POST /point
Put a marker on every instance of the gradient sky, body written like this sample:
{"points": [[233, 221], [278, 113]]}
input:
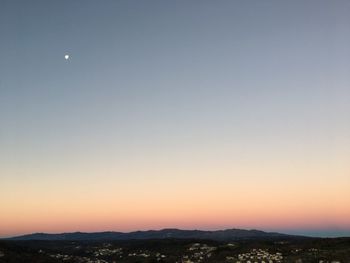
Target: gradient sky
{"points": [[187, 114]]}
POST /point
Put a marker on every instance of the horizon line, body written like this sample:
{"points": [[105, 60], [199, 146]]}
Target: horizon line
{"points": [[292, 232]]}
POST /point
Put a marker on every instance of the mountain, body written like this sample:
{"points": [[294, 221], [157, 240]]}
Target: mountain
{"points": [[219, 235]]}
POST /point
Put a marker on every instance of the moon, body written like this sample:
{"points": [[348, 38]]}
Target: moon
{"points": [[66, 57]]}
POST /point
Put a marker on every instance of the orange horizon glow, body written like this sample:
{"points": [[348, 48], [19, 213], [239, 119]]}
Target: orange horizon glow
{"points": [[208, 200], [213, 205]]}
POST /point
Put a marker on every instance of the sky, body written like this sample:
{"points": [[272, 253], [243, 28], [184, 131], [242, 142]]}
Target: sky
{"points": [[187, 114]]}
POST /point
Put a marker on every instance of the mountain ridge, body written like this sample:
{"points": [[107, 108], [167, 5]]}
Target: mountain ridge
{"points": [[166, 233]]}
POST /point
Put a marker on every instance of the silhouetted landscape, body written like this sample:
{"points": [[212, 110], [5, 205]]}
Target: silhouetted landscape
{"points": [[174, 245], [219, 235]]}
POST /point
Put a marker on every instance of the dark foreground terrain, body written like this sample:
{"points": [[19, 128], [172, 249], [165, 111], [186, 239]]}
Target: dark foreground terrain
{"points": [[178, 250]]}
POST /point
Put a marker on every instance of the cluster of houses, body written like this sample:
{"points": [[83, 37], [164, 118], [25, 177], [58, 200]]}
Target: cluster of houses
{"points": [[78, 259], [146, 254], [108, 251], [257, 255], [197, 253]]}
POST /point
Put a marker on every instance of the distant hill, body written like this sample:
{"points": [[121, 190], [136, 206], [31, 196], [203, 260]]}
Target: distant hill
{"points": [[219, 235]]}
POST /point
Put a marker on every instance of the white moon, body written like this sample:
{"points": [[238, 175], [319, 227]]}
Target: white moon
{"points": [[66, 57]]}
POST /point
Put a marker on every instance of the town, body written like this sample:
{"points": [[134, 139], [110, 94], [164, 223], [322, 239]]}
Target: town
{"points": [[178, 251]]}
